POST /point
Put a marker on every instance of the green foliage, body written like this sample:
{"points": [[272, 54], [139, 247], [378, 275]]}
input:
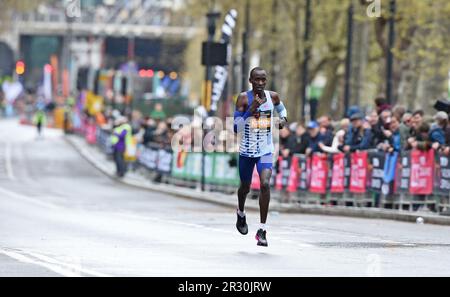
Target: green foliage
{"points": [[8, 7], [421, 51]]}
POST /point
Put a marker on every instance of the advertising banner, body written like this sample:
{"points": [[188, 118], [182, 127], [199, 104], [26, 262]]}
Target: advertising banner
{"points": [[319, 174], [422, 169], [358, 172], [338, 174]]}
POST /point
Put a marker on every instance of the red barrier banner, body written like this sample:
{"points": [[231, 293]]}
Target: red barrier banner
{"points": [[319, 174], [293, 176], [91, 133], [422, 168], [358, 172], [338, 174]]}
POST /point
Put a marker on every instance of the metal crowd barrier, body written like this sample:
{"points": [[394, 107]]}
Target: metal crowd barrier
{"points": [[371, 178]]}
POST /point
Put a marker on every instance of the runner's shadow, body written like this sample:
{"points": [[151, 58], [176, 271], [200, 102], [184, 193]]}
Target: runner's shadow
{"points": [[256, 254]]}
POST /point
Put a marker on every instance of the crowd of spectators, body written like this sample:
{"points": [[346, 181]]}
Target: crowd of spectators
{"points": [[386, 128]]}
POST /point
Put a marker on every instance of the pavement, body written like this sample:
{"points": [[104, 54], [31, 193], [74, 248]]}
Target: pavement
{"points": [[61, 216], [98, 159]]}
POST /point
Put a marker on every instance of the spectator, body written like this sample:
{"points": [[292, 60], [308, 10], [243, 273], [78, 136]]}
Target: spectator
{"points": [[160, 134], [359, 135], [437, 132], [394, 141], [422, 139], [381, 104], [398, 112], [416, 122], [150, 127], [384, 126], [379, 125], [119, 139], [385, 118], [446, 149], [293, 127], [338, 140], [405, 128], [136, 121], [375, 125], [352, 110], [417, 119], [326, 129], [299, 142], [314, 138], [158, 113], [285, 135]]}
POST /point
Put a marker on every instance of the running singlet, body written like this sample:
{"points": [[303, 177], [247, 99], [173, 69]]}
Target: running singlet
{"points": [[257, 134]]}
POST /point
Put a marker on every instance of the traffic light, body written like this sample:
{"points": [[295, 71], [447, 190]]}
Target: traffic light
{"points": [[20, 67]]}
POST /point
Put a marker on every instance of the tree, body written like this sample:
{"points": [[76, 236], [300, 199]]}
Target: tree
{"points": [[11, 6], [421, 51]]}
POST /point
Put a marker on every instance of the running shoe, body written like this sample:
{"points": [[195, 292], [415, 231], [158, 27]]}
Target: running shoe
{"points": [[261, 237], [241, 224]]}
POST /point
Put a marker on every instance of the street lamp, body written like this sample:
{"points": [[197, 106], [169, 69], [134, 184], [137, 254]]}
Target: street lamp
{"points": [[348, 60], [273, 53], [244, 58], [306, 57], [211, 27], [390, 55]]}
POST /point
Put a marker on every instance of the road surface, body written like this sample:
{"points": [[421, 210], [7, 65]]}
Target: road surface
{"points": [[59, 216]]}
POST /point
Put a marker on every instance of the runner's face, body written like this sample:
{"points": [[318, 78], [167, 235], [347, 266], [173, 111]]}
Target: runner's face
{"points": [[258, 81]]}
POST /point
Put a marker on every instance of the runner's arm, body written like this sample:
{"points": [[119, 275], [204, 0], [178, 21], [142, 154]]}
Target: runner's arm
{"points": [[280, 108], [241, 114]]}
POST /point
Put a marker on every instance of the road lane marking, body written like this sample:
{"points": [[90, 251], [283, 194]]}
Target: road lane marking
{"points": [[8, 162], [21, 258], [74, 267], [64, 269], [27, 199]]}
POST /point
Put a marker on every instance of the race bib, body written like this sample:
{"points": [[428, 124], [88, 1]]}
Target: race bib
{"points": [[261, 121]]}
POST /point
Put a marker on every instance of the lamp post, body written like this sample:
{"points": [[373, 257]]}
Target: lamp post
{"points": [[245, 58], [273, 54], [211, 27], [348, 60], [390, 55], [306, 57], [67, 54]]}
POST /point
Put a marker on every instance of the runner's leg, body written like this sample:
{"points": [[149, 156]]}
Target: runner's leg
{"points": [[264, 167], [246, 166], [264, 198]]}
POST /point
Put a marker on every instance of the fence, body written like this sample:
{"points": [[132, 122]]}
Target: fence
{"points": [[367, 178], [372, 178]]}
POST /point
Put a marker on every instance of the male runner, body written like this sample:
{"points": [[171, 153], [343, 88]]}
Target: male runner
{"points": [[254, 118]]}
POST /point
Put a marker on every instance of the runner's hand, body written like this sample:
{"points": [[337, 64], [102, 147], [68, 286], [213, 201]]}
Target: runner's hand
{"points": [[282, 123], [256, 103]]}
